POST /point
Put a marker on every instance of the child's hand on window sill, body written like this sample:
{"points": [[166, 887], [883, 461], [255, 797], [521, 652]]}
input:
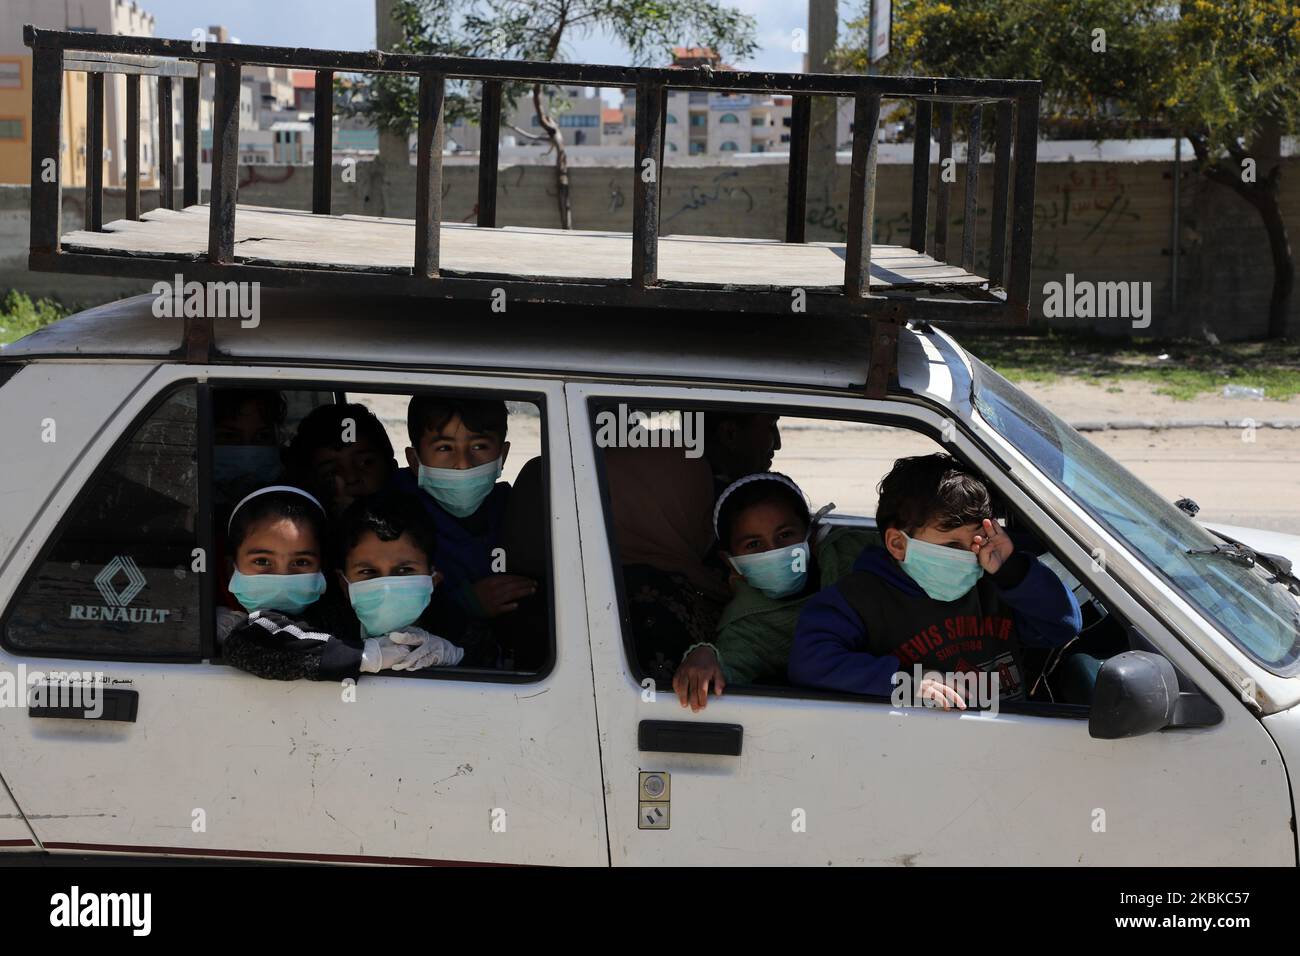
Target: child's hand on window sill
{"points": [[695, 674]]}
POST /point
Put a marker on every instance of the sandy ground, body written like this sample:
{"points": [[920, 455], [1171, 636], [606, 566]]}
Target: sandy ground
{"points": [[1236, 477], [1081, 401]]}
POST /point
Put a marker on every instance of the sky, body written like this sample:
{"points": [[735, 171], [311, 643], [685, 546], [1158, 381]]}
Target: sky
{"points": [[350, 25]]}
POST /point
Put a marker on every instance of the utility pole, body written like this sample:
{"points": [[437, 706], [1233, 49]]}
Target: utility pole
{"points": [[394, 152], [823, 32]]}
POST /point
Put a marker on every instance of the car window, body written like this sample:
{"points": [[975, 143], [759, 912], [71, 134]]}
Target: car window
{"points": [[117, 581], [680, 581], [355, 447]]}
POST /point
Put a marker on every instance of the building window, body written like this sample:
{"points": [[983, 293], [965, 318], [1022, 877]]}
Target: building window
{"points": [[698, 96], [785, 121], [11, 129], [11, 76], [755, 147], [699, 120], [758, 120], [729, 118], [729, 147], [785, 137], [672, 147], [672, 118], [697, 149]]}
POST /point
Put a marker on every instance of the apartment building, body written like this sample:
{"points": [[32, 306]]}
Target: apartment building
{"points": [[578, 110], [700, 123], [118, 17]]}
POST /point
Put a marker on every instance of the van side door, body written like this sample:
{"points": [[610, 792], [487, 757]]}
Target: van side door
{"points": [[824, 778], [191, 757]]}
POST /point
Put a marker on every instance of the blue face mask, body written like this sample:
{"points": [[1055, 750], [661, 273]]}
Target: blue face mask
{"points": [[777, 573], [390, 604], [286, 593], [259, 463], [943, 573], [460, 491]]}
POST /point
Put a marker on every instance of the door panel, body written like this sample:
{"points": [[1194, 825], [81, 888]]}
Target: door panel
{"points": [[219, 762], [875, 784], [15, 835]]}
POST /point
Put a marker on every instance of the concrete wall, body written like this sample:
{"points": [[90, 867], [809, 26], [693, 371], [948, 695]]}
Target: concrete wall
{"points": [[1106, 222]]}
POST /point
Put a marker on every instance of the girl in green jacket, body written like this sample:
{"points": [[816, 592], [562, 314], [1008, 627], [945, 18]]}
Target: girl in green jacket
{"points": [[780, 557]]}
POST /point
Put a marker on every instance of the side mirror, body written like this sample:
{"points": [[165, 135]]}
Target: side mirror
{"points": [[1136, 694]]}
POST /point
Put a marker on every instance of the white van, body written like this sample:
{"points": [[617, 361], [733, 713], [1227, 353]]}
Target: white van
{"points": [[582, 761], [110, 563]]}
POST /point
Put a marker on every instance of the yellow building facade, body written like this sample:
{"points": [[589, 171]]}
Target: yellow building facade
{"points": [[16, 123]]}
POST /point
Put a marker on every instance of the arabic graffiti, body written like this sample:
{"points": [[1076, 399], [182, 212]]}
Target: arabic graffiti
{"points": [[719, 192]]}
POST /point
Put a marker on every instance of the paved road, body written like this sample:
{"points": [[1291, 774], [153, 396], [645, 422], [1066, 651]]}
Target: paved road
{"points": [[1252, 483]]}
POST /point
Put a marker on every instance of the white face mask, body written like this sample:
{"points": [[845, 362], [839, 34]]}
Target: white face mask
{"points": [[945, 574], [777, 573], [460, 491]]}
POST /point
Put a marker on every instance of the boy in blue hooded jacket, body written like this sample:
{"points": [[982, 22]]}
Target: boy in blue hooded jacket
{"points": [[458, 449], [947, 593]]}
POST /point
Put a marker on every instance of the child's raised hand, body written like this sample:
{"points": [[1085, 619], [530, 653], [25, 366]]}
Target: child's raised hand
{"points": [[501, 593], [692, 678], [993, 547]]}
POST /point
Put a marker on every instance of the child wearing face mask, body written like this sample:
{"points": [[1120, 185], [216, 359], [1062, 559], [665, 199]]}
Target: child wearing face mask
{"points": [[948, 591], [277, 539], [780, 557], [386, 570], [246, 425], [458, 449]]}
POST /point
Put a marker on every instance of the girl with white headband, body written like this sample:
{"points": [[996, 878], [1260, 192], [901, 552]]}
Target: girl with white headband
{"points": [[781, 557], [276, 538]]}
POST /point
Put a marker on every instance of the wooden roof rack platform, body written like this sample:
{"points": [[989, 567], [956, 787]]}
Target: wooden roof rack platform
{"points": [[423, 256]]}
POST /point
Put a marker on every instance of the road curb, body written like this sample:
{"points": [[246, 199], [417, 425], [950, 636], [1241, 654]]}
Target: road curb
{"points": [[1157, 425]]}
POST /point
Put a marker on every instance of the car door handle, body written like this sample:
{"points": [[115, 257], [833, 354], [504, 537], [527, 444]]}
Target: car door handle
{"points": [[110, 704], [689, 737]]}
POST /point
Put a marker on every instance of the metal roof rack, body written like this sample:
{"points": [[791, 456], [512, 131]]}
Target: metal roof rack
{"points": [[693, 273]]}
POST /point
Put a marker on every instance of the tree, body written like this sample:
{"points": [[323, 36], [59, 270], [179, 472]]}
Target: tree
{"points": [[540, 30], [1225, 75]]}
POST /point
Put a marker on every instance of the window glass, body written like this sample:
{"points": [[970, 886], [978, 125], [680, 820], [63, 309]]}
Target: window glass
{"points": [[118, 581], [665, 471], [1251, 605], [484, 536]]}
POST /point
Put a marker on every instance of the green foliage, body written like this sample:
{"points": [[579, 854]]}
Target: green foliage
{"points": [[20, 315], [1224, 70], [1180, 368], [541, 30]]}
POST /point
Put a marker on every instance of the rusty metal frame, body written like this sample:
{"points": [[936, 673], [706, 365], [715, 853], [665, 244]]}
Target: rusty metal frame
{"points": [[1004, 299]]}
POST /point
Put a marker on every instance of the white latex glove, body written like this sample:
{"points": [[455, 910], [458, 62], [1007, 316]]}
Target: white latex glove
{"points": [[427, 650], [379, 654]]}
